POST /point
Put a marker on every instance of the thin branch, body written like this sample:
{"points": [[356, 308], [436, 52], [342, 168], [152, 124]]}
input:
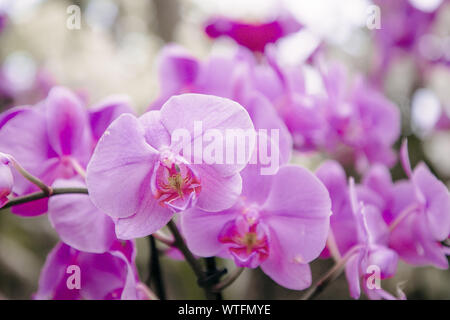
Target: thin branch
{"points": [[179, 243], [27, 175], [155, 274], [330, 276], [160, 236], [202, 277], [229, 280], [211, 269], [41, 195]]}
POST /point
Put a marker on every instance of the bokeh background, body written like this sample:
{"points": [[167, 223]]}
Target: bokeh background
{"points": [[116, 52]]}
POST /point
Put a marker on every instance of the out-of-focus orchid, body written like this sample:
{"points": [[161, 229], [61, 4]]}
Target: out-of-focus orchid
{"points": [[52, 140], [358, 234], [254, 36], [228, 77], [419, 215], [69, 274], [404, 27], [371, 257]]}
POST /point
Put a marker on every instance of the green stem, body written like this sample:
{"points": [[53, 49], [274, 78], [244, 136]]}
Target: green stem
{"points": [[41, 195], [190, 259], [225, 283], [330, 276], [27, 175]]}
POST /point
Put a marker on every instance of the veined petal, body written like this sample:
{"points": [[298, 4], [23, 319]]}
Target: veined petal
{"points": [[437, 200], [201, 230], [149, 218], [118, 175], [78, 222], [288, 273], [67, 123], [229, 120]]}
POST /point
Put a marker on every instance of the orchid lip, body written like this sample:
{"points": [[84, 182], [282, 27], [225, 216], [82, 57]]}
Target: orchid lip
{"points": [[174, 183], [246, 238]]}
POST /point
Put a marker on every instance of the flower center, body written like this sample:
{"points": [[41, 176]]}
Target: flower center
{"points": [[175, 184], [247, 239]]}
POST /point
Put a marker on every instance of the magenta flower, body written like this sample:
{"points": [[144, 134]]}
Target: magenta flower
{"points": [[180, 72], [52, 140], [342, 223], [108, 276], [280, 223], [140, 174], [358, 234], [362, 124], [371, 254], [254, 36], [418, 213], [6, 179], [403, 27]]}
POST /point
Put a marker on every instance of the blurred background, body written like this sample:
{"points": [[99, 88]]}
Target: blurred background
{"points": [[115, 52]]}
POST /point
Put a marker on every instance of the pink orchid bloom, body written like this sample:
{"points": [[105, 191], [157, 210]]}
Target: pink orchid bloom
{"points": [[180, 72], [417, 211], [371, 251], [52, 140], [280, 223], [254, 36], [358, 231], [140, 175], [108, 276]]}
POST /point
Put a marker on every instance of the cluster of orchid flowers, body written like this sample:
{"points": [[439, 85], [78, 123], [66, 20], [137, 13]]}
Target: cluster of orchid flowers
{"points": [[106, 176]]}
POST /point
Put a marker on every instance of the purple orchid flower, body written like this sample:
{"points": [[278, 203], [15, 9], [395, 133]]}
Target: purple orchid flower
{"points": [[280, 223], [254, 36], [108, 276], [371, 254], [140, 173], [351, 113], [52, 140], [403, 26], [180, 72], [65, 157], [358, 234], [417, 211]]}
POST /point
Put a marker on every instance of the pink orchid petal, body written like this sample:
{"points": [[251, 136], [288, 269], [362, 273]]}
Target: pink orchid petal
{"points": [[121, 166]]}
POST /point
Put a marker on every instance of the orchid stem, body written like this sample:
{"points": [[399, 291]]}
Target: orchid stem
{"points": [[191, 260], [330, 276], [160, 236], [181, 245], [225, 283], [211, 269], [41, 195], [155, 269], [27, 175]]}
